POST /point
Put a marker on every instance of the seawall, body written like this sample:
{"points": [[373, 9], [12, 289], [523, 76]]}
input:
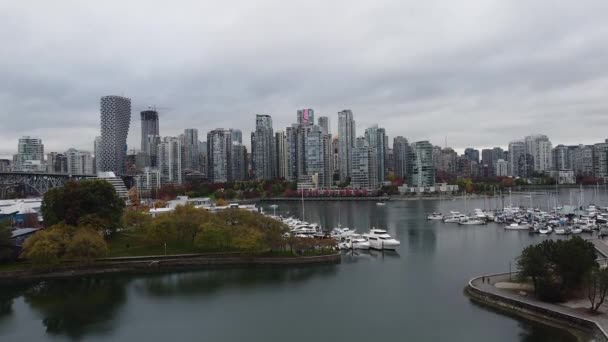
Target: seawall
{"points": [[527, 308], [160, 264]]}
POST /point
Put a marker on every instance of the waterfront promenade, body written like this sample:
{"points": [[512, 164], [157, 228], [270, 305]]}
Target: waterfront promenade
{"points": [[491, 289]]}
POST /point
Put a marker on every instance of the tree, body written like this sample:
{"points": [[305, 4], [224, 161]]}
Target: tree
{"points": [[5, 241], [136, 219], [596, 286], [76, 200], [86, 245], [557, 268], [42, 249]]}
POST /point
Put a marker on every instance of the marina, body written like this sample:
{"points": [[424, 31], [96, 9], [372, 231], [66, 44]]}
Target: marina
{"points": [[417, 288]]}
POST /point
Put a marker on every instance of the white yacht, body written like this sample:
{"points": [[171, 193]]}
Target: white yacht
{"points": [[518, 226], [454, 217], [545, 230], [435, 216], [472, 222], [355, 241], [380, 239], [380, 204], [340, 233]]}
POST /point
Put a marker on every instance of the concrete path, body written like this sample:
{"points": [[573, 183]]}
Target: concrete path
{"points": [[601, 320]]}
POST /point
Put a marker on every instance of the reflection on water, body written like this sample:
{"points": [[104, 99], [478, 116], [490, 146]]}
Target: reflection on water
{"points": [[208, 282], [77, 307], [412, 294]]}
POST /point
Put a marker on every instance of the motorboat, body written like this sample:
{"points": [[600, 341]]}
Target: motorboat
{"points": [[454, 217], [472, 221], [380, 204], [560, 231], [435, 216], [340, 233], [576, 231], [518, 226], [356, 241], [545, 230], [380, 239]]}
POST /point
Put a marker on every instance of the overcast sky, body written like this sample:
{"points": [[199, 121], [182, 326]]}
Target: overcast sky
{"points": [[480, 73]]}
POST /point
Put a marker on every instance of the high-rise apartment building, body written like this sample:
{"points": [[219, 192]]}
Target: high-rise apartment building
{"points": [[517, 150], [237, 135], [192, 155], [539, 147], [219, 156], [447, 162], [56, 163], [149, 126], [501, 168], [306, 117], [282, 154], [324, 124], [471, 154], [561, 158], [79, 162], [376, 138], [291, 156], [171, 160], [346, 142], [583, 161], [239, 162], [420, 166], [115, 120], [30, 155], [600, 161], [263, 153], [401, 149], [364, 165]]}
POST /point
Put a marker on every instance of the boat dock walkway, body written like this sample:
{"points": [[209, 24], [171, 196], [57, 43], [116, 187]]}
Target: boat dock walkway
{"points": [[576, 312], [600, 245]]}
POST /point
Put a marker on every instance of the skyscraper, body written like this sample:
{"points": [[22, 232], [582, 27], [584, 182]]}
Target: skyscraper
{"points": [[517, 149], [239, 161], [291, 156], [149, 126], [539, 147], [263, 154], [219, 156], [401, 149], [420, 170], [324, 123], [471, 154], [190, 143], [364, 165], [79, 162], [171, 160], [376, 138], [561, 158], [600, 161], [282, 154], [306, 117], [237, 135], [583, 160], [115, 120], [346, 142], [96, 149], [30, 155]]}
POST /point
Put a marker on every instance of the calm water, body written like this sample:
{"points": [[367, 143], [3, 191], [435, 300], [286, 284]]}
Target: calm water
{"points": [[415, 294]]}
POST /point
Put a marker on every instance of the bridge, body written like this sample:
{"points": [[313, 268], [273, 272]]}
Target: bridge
{"points": [[36, 183]]}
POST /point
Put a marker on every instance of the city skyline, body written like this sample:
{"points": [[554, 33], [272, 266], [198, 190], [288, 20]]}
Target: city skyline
{"points": [[529, 70]]}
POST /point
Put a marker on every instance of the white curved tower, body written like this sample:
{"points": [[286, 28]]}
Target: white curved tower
{"points": [[115, 120]]}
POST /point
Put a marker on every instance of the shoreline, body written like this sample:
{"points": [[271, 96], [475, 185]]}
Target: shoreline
{"points": [[156, 264], [529, 308]]}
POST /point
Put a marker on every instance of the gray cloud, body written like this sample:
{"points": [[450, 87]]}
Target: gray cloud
{"points": [[480, 73]]}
